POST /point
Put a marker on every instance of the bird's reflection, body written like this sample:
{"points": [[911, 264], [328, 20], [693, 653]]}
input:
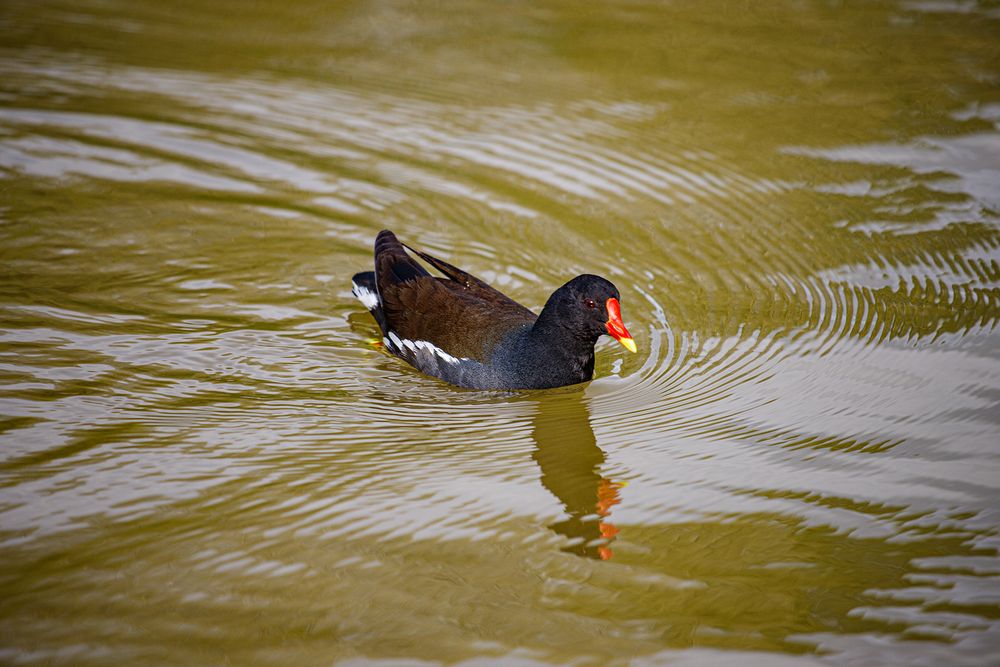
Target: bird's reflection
{"points": [[570, 461]]}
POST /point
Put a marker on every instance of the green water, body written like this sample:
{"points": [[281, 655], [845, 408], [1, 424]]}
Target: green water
{"points": [[205, 461]]}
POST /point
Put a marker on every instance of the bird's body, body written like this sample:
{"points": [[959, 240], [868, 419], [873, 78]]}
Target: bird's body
{"points": [[461, 330]]}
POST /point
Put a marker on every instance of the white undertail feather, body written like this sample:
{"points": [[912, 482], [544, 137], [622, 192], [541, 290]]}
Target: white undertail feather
{"points": [[368, 298]]}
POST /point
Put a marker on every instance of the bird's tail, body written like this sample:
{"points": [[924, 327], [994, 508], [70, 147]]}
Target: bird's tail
{"points": [[363, 286]]}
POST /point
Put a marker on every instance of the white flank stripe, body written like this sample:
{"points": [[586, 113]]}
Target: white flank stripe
{"points": [[394, 341]]}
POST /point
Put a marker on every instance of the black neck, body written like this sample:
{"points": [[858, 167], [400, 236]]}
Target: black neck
{"points": [[551, 329], [562, 356]]}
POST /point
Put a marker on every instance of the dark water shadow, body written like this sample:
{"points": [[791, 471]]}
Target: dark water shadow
{"points": [[570, 462]]}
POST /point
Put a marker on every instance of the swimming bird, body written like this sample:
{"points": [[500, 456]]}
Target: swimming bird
{"points": [[461, 330]]}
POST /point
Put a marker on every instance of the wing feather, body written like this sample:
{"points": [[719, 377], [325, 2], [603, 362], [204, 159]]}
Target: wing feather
{"points": [[460, 314]]}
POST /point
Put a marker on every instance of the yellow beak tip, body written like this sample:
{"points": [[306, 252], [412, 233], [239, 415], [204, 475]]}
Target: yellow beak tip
{"points": [[628, 343]]}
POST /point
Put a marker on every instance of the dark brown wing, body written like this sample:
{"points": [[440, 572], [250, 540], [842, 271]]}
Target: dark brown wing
{"points": [[460, 314], [474, 285]]}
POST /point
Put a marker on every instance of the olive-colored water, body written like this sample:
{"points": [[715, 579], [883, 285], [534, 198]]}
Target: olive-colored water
{"points": [[205, 461]]}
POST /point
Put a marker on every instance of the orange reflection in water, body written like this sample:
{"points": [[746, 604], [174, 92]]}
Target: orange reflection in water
{"points": [[570, 460]]}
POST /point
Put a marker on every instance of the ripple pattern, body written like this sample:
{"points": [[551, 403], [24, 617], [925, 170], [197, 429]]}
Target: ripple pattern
{"points": [[189, 394]]}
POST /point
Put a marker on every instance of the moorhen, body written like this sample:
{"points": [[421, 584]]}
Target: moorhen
{"points": [[463, 331]]}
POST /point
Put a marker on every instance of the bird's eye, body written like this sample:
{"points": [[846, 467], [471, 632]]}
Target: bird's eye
{"points": [[589, 303]]}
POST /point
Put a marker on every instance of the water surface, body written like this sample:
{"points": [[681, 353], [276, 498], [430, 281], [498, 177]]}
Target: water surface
{"points": [[205, 460]]}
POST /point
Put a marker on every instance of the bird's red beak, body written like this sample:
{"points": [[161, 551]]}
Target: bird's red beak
{"points": [[616, 327]]}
